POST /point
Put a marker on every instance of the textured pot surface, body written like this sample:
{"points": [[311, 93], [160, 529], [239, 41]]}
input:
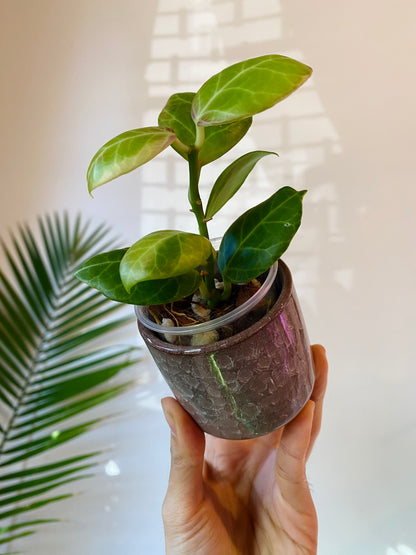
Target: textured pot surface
{"points": [[249, 384]]}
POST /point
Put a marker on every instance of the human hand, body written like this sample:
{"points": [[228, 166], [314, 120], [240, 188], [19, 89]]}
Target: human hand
{"points": [[234, 497]]}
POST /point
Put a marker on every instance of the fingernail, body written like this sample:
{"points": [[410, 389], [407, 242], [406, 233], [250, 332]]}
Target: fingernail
{"points": [[169, 418]]}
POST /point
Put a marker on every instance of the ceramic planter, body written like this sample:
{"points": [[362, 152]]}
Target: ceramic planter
{"points": [[248, 384]]}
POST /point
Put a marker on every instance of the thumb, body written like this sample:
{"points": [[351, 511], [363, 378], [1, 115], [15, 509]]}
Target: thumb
{"points": [[185, 488], [291, 459]]}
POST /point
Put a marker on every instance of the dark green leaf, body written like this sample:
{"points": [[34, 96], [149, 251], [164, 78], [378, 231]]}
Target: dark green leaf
{"points": [[260, 236], [247, 88], [102, 272], [231, 179]]}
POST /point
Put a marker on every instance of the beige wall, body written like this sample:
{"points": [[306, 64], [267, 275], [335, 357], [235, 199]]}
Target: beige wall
{"points": [[75, 73]]}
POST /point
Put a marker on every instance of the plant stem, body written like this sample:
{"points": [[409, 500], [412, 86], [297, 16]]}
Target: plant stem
{"points": [[207, 288], [227, 290], [193, 193], [200, 136]]}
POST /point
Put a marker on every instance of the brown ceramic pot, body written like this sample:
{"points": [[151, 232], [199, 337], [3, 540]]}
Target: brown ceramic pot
{"points": [[249, 384]]}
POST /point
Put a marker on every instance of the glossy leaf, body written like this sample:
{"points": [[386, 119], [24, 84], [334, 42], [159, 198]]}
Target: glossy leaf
{"points": [[218, 140], [51, 369], [231, 179], [103, 273], [126, 152], [247, 88], [176, 115], [260, 236], [163, 254]]}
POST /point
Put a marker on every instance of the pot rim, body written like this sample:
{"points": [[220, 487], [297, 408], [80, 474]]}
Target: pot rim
{"points": [[286, 290], [216, 322]]}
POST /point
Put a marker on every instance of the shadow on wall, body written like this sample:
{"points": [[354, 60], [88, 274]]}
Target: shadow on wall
{"points": [[190, 42]]}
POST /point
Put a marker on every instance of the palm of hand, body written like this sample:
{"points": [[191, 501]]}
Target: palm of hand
{"points": [[243, 508]]}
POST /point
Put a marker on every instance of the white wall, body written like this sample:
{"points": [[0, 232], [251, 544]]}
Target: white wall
{"points": [[74, 74]]}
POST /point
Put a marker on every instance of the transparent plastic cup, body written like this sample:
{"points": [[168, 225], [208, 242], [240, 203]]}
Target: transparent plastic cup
{"points": [[234, 321]]}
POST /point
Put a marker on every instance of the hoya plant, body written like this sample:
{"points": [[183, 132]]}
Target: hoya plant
{"points": [[168, 265]]}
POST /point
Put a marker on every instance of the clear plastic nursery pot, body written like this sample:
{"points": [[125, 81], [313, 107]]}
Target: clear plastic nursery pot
{"points": [[247, 384]]}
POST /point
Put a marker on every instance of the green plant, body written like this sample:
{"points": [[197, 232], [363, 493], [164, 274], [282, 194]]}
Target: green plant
{"points": [[56, 361], [165, 266]]}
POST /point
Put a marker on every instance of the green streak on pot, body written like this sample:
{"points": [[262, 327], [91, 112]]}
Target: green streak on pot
{"points": [[224, 389]]}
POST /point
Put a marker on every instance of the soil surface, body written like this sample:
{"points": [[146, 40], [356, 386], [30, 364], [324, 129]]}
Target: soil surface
{"points": [[191, 311]]}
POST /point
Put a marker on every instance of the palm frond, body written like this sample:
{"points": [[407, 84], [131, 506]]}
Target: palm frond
{"points": [[51, 369]]}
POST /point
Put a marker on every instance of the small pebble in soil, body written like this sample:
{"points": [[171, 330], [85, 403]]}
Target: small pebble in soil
{"points": [[168, 322], [205, 338]]}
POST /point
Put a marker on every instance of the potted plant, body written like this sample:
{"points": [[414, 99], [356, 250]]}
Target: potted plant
{"points": [[221, 319]]}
